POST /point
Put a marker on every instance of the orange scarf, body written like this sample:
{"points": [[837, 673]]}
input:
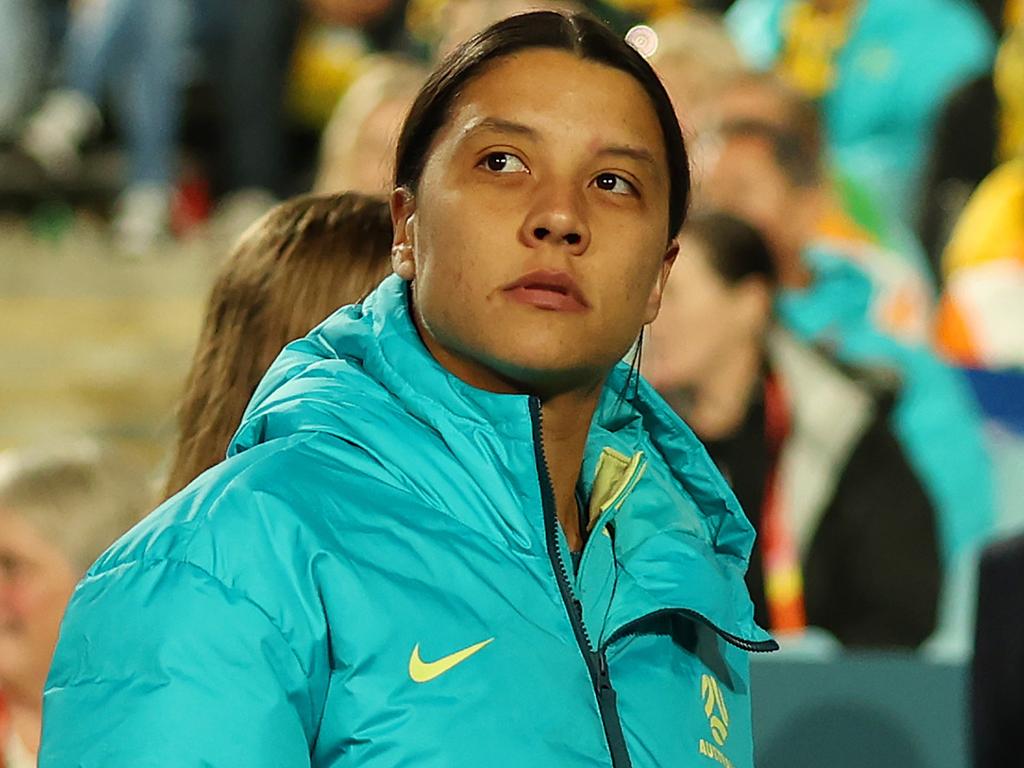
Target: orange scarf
{"points": [[783, 574]]}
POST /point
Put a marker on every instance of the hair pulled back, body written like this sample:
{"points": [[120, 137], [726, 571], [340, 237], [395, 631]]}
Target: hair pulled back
{"points": [[579, 34]]}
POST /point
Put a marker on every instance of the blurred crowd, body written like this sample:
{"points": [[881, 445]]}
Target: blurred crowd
{"points": [[843, 327]]}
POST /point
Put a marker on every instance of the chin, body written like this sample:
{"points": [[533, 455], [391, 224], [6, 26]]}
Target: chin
{"points": [[538, 367]]}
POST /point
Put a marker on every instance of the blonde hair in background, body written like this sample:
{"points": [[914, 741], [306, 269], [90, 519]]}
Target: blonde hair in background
{"points": [[445, 24], [697, 39], [288, 272], [695, 58], [78, 495], [351, 160]]}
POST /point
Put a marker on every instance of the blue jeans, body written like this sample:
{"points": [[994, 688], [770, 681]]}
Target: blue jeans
{"points": [[22, 60], [135, 51]]}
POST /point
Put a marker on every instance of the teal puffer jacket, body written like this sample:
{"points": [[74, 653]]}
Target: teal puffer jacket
{"points": [[375, 578]]}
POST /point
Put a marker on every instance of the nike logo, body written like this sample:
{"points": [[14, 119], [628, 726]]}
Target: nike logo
{"points": [[423, 672]]}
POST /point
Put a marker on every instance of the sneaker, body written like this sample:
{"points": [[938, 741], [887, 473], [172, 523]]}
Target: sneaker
{"points": [[142, 218], [57, 131]]}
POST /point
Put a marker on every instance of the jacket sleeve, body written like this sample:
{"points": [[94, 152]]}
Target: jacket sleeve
{"points": [[161, 664]]}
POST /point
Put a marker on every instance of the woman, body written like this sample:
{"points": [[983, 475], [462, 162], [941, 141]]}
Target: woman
{"points": [[846, 536], [291, 269], [358, 144], [454, 529], [59, 509]]}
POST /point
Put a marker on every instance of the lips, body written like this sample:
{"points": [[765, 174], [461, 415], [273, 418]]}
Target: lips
{"points": [[548, 290]]}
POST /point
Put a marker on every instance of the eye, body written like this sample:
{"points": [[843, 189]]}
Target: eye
{"points": [[612, 182], [9, 566], [502, 162]]}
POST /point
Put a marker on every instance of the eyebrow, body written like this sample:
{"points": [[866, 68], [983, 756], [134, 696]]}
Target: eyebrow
{"points": [[509, 126], [501, 126], [634, 153]]}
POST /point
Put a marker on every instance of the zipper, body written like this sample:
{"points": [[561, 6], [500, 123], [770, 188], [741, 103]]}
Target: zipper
{"points": [[597, 664]]}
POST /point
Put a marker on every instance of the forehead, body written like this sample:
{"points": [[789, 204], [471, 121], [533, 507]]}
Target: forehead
{"points": [[551, 89], [753, 101], [746, 156], [17, 533]]}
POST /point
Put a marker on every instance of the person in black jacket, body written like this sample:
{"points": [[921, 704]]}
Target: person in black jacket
{"points": [[997, 671], [977, 129], [846, 535]]}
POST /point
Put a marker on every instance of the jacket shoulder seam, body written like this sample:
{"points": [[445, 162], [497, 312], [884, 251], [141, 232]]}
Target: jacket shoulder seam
{"points": [[147, 564]]}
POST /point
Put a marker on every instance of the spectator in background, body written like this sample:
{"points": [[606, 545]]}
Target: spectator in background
{"points": [[382, 21], [23, 59], [695, 58], [358, 143], [981, 321], [770, 173], [981, 125], [847, 537], [247, 46], [296, 265], [59, 509], [444, 24], [875, 238], [997, 665], [880, 69], [758, 113], [133, 53], [133, 49]]}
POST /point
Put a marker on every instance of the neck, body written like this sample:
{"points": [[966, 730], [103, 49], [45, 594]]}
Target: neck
{"points": [[567, 415], [26, 722], [721, 398], [567, 420]]}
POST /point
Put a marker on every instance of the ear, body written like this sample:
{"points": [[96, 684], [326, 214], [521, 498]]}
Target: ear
{"points": [[403, 210], [654, 300]]}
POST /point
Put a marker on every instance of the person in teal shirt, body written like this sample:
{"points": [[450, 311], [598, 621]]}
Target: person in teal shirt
{"points": [[766, 170], [880, 70], [454, 529]]}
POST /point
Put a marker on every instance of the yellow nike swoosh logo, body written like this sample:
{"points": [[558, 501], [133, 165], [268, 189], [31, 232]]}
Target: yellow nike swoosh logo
{"points": [[423, 672]]}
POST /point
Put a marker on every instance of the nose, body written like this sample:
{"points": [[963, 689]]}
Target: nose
{"points": [[556, 220]]}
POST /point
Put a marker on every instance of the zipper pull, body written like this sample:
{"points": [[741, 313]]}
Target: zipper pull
{"points": [[605, 681]]}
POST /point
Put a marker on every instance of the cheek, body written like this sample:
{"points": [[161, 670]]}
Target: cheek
{"points": [[459, 252], [687, 336], [19, 602], [39, 604]]}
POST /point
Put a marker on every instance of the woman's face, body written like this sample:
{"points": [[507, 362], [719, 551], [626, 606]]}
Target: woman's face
{"points": [[702, 320], [36, 582], [538, 231]]}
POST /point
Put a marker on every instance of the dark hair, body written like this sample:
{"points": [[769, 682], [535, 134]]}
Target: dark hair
{"points": [[289, 271], [579, 34], [735, 249], [793, 132]]}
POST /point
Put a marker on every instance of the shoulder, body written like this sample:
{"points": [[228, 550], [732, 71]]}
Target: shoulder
{"points": [[256, 520]]}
